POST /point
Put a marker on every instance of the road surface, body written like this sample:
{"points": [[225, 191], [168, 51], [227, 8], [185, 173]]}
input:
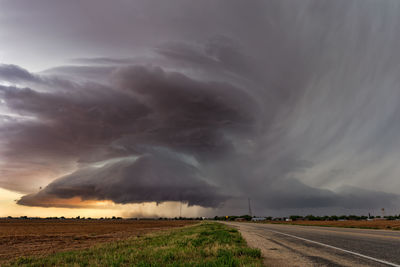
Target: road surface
{"points": [[292, 245]]}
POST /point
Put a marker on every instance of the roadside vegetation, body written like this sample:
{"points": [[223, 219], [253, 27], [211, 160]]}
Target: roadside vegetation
{"points": [[205, 244]]}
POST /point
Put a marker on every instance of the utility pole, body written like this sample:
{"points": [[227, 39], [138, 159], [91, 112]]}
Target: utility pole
{"points": [[250, 213], [180, 211]]}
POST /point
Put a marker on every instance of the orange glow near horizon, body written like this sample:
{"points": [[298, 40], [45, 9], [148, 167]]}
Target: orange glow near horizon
{"points": [[96, 209]]}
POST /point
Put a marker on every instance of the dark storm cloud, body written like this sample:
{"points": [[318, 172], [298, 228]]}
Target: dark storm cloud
{"points": [[13, 73], [146, 179], [266, 100], [147, 108], [219, 51], [285, 193], [188, 115], [81, 73], [104, 60]]}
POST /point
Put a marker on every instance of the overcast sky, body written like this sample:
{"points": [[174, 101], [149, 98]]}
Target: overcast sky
{"points": [[135, 106]]}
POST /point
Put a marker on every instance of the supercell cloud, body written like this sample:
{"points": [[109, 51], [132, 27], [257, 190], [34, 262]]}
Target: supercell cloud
{"points": [[294, 104]]}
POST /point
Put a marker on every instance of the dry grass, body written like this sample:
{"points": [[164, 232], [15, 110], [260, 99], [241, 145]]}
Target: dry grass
{"points": [[376, 224], [42, 237]]}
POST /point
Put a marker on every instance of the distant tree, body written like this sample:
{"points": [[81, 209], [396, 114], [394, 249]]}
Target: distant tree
{"points": [[310, 217], [353, 217], [295, 217], [334, 218]]}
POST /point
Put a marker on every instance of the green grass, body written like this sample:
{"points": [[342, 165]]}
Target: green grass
{"points": [[205, 244]]}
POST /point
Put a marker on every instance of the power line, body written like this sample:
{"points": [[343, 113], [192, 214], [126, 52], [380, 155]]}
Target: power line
{"points": [[250, 213]]}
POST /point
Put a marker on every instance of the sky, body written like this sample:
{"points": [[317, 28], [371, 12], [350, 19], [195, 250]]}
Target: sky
{"points": [[130, 108]]}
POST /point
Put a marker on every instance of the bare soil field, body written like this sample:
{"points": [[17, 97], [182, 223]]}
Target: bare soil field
{"points": [[376, 224], [41, 237]]}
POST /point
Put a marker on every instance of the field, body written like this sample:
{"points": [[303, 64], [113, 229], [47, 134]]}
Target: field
{"points": [[40, 237], [375, 224], [203, 244]]}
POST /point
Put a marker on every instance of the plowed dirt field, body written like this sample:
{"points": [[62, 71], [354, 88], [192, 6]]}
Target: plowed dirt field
{"points": [[24, 237]]}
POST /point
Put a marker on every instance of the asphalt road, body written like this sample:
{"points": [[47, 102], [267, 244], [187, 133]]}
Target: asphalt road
{"points": [[292, 245]]}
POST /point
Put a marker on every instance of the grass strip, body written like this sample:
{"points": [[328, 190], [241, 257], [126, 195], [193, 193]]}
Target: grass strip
{"points": [[204, 244]]}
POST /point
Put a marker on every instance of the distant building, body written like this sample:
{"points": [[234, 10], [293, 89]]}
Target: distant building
{"points": [[240, 220], [258, 219]]}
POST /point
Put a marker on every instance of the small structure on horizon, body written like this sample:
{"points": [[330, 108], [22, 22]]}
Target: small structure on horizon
{"points": [[258, 219]]}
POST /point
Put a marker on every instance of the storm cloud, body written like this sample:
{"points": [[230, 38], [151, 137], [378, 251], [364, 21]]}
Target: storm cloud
{"points": [[148, 111], [294, 104], [145, 179]]}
